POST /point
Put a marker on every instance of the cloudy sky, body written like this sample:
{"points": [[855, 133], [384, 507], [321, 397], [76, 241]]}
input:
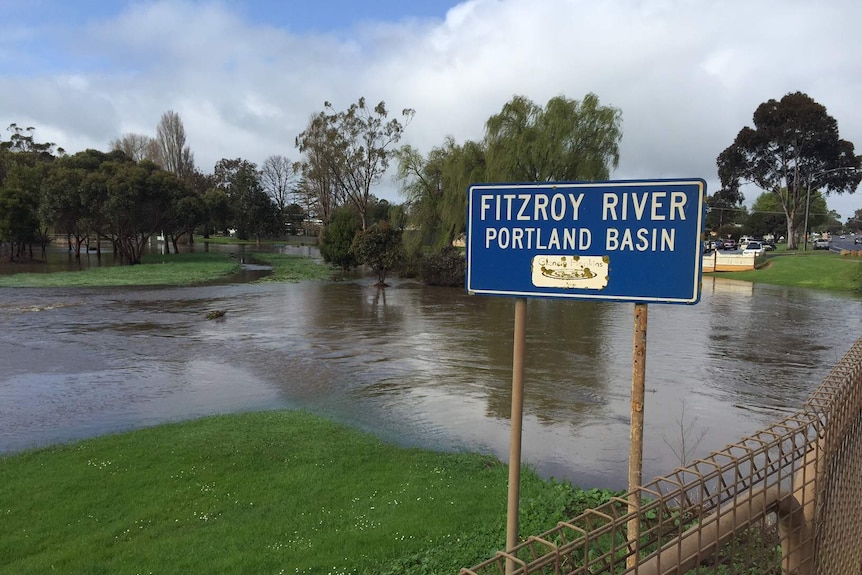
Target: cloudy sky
{"points": [[246, 76]]}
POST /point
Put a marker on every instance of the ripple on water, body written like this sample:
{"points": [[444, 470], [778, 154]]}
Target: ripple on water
{"points": [[420, 366]]}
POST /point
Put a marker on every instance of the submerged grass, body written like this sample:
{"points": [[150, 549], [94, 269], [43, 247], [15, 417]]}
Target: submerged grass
{"points": [[292, 268], [819, 270], [270, 492]]}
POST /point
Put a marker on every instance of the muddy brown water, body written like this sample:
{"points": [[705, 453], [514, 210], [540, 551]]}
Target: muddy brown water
{"points": [[416, 365]]}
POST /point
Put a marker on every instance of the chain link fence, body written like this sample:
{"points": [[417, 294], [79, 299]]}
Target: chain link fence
{"points": [[786, 500]]}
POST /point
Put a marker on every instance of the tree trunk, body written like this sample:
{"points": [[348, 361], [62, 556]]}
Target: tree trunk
{"points": [[43, 240]]}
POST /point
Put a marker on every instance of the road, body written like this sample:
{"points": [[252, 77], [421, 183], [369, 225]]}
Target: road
{"points": [[838, 244], [846, 244]]}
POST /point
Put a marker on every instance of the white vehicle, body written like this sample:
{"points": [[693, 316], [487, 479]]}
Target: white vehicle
{"points": [[753, 249]]}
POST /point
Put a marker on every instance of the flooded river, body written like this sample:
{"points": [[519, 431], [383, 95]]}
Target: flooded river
{"points": [[418, 365]]}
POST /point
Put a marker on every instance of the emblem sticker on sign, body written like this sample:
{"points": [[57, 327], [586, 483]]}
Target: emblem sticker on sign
{"points": [[569, 272]]}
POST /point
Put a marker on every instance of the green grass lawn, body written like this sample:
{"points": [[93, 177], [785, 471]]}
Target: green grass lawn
{"points": [[292, 268], [269, 492], [171, 269], [815, 269], [230, 240]]}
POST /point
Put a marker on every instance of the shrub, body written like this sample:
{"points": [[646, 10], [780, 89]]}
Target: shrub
{"points": [[380, 248], [337, 237], [410, 266], [446, 268]]}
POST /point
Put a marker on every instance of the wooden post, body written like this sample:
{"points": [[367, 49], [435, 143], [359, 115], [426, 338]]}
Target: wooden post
{"points": [[636, 437], [515, 436]]}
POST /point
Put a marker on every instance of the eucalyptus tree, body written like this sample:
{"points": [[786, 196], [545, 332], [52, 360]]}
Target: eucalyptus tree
{"points": [[188, 210], [60, 205], [318, 195], [19, 220], [24, 163], [564, 141], [351, 149], [23, 141], [75, 197], [198, 184], [252, 211], [318, 190], [138, 204], [216, 211], [793, 150]]}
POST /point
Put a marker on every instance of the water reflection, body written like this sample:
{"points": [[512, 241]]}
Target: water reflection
{"points": [[417, 365]]}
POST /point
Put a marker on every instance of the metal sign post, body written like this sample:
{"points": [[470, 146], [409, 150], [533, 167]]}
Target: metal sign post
{"points": [[636, 436], [515, 435]]}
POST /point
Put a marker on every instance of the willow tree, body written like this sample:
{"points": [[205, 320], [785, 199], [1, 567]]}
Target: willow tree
{"points": [[567, 140], [435, 190], [793, 152]]}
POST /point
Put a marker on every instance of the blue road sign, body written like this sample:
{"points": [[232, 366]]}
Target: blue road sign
{"points": [[638, 241]]}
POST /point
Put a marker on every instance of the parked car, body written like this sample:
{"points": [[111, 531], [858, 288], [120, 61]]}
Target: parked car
{"points": [[753, 249], [857, 240], [768, 245], [729, 244], [716, 244], [822, 244]]}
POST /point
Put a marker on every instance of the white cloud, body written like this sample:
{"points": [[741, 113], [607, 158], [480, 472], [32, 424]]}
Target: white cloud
{"points": [[686, 75]]}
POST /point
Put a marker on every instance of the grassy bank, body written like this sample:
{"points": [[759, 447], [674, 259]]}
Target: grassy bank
{"points": [[292, 268], [172, 269], [272, 492], [230, 240], [818, 270]]}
